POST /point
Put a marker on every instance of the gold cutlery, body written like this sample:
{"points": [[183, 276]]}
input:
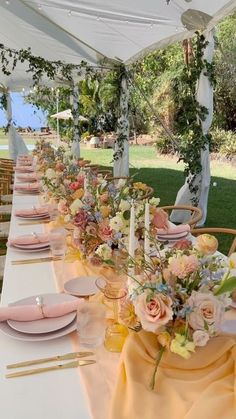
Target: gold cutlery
{"points": [[36, 260], [72, 355], [30, 223], [73, 364]]}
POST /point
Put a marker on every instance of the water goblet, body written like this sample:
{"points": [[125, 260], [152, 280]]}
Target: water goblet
{"points": [[91, 324]]}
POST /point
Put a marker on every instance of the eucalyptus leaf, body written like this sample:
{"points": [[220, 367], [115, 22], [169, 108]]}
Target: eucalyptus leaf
{"points": [[228, 285]]}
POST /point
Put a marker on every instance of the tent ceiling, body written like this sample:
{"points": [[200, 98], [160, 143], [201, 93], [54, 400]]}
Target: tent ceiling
{"points": [[92, 30]]}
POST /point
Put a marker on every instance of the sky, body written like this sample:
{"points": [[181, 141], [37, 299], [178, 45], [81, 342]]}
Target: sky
{"points": [[24, 115]]}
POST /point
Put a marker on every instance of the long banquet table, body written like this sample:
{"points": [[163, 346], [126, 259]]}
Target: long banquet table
{"points": [[68, 394]]}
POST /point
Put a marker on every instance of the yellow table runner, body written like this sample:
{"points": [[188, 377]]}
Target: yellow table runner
{"points": [[200, 388]]}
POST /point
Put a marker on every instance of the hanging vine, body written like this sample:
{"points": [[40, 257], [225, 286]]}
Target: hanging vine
{"points": [[192, 140]]}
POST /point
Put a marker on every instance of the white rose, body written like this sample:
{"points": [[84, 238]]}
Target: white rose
{"points": [[116, 223], [104, 251], [200, 338], [50, 174], [232, 264], [154, 201], [124, 205], [207, 312], [75, 206]]}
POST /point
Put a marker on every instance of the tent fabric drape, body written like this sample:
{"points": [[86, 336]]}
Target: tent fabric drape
{"points": [[16, 143], [204, 95], [121, 165]]}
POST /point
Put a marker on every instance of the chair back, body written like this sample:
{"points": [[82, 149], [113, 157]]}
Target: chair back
{"points": [[196, 213]]}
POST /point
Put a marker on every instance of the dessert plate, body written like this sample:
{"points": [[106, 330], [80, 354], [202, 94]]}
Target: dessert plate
{"points": [[82, 286]]}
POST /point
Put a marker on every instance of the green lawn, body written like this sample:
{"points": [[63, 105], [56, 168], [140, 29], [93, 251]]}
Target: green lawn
{"points": [[165, 175]]}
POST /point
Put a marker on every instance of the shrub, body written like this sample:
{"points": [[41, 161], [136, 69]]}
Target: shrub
{"points": [[163, 142], [224, 142]]}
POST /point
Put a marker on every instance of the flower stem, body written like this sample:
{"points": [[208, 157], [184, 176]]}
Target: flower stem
{"points": [[158, 360]]}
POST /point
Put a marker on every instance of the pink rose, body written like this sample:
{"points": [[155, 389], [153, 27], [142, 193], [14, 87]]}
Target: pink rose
{"points": [[74, 186], [105, 231], [160, 219], [183, 265], [200, 338], [80, 181], [182, 244], [207, 312], [81, 219], [60, 166], [153, 311], [63, 207], [104, 197]]}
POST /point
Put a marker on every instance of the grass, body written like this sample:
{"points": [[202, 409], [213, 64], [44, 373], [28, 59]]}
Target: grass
{"points": [[165, 175]]}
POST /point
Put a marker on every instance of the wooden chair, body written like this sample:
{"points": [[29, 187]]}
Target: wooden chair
{"points": [[149, 193], [216, 230], [196, 213]]}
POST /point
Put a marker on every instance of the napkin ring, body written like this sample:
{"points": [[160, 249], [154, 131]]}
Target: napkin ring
{"points": [[39, 302]]}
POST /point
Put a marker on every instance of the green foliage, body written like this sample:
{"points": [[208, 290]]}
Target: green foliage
{"points": [[224, 142]]}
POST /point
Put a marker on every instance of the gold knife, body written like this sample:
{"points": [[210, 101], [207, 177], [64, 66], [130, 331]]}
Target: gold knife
{"points": [[31, 223], [73, 364], [71, 355], [37, 260]]}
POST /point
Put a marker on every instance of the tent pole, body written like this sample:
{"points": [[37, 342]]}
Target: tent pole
{"points": [[58, 127], [75, 147], [121, 152]]}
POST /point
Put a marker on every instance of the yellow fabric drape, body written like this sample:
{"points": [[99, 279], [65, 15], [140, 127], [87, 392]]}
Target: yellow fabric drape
{"points": [[202, 387]]}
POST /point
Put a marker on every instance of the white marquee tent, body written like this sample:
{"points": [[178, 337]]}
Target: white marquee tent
{"points": [[101, 31]]}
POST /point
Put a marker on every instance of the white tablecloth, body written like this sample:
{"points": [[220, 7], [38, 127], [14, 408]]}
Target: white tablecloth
{"points": [[52, 395]]}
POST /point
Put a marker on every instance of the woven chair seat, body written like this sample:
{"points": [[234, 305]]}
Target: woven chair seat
{"points": [[7, 198], [5, 209], [4, 229], [2, 265]]}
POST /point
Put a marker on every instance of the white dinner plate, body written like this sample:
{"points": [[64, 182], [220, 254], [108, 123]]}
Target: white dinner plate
{"points": [[82, 286], [43, 325], [29, 250], [7, 330]]}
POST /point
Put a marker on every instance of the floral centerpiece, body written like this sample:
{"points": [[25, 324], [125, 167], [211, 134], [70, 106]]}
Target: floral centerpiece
{"points": [[180, 294]]}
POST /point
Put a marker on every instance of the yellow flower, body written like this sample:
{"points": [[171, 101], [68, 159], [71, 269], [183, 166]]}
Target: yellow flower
{"points": [[164, 339], [232, 261], [105, 210], [127, 314], [140, 185], [180, 345], [78, 194]]}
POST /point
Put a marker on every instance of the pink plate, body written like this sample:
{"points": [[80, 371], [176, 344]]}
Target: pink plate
{"points": [[44, 325], [82, 286]]}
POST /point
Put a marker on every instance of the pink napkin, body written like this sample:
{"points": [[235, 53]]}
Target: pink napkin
{"points": [[29, 239], [28, 177], [27, 186], [31, 211], [24, 169], [33, 312], [182, 228]]}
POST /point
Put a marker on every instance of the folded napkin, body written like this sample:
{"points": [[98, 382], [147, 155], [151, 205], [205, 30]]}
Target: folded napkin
{"points": [[28, 176], [34, 312], [24, 169], [27, 240], [27, 186], [31, 212], [182, 228]]}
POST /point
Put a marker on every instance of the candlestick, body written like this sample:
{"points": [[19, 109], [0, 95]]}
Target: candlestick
{"points": [[146, 233], [132, 231]]}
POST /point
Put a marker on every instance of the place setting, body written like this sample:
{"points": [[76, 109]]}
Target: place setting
{"points": [[35, 213], [27, 188], [30, 243]]}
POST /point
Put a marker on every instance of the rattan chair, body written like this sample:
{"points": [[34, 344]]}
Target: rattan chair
{"points": [[216, 230], [194, 218]]}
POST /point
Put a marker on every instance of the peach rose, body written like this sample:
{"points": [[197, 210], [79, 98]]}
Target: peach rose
{"points": [[63, 207], [207, 312], [104, 197], [105, 231], [206, 244], [60, 166], [183, 265], [182, 244], [153, 310], [160, 219]]}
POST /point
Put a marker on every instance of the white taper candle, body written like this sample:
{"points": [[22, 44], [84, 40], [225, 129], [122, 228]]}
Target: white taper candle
{"points": [[146, 232]]}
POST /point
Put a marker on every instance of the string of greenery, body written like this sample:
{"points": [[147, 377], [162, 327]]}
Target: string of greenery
{"points": [[192, 140]]}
